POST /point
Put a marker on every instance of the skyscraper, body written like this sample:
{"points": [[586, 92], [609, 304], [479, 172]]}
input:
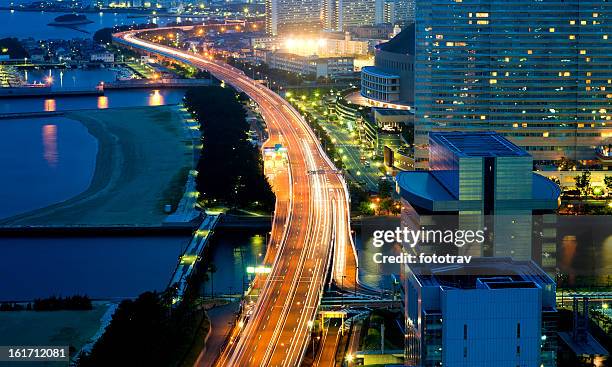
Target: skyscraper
{"points": [[340, 14], [293, 16], [538, 72], [399, 12]]}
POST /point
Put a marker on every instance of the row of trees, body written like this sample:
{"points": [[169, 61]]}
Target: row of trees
{"points": [[583, 184], [230, 167], [105, 35], [147, 331], [13, 48], [73, 303], [63, 303]]}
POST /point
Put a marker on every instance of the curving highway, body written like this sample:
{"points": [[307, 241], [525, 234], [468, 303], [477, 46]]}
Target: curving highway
{"points": [[314, 219]]}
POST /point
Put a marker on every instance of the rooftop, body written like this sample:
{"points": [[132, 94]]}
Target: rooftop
{"points": [[403, 43], [373, 70], [478, 144], [482, 272]]}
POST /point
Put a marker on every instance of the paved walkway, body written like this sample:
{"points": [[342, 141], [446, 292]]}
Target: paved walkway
{"points": [[221, 319]]}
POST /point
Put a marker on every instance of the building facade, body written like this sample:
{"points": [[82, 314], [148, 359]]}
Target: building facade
{"points": [[398, 12], [491, 312], [482, 180], [293, 17], [538, 72], [390, 82], [327, 67], [341, 14]]}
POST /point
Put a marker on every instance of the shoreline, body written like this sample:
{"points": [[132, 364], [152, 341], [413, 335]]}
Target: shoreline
{"points": [[99, 178], [127, 168]]}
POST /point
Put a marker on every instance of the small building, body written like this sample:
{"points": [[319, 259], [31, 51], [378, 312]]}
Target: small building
{"points": [[328, 67], [37, 55], [102, 56], [490, 312], [392, 120]]}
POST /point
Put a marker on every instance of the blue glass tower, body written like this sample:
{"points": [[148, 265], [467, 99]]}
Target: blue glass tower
{"points": [[537, 71]]}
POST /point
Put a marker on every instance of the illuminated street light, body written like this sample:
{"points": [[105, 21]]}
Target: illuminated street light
{"points": [[259, 270]]}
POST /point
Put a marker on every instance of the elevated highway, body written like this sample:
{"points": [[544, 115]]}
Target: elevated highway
{"points": [[305, 230]]}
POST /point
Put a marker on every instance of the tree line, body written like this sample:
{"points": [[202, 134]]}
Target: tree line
{"points": [[105, 35], [72, 303], [230, 167]]}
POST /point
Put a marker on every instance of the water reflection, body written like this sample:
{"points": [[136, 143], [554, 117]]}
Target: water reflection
{"points": [[50, 105], [102, 102], [156, 99], [116, 99], [232, 252], [49, 136], [568, 254]]}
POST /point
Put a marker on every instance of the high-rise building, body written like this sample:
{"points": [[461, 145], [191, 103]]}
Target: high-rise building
{"points": [[499, 309], [340, 14], [293, 16], [538, 72], [400, 12]]}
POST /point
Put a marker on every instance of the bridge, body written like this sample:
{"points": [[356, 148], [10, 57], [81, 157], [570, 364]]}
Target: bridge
{"points": [[310, 232]]}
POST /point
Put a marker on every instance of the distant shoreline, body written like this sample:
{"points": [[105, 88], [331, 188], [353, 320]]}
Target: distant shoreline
{"points": [[89, 11]]}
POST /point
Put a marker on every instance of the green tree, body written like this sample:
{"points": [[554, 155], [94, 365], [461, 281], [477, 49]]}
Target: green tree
{"points": [[385, 189], [583, 183], [231, 167], [608, 183]]}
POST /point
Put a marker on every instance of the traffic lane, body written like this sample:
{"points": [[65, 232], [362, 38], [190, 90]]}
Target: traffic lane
{"points": [[300, 152]]}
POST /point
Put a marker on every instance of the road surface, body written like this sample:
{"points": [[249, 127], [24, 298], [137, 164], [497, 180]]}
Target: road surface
{"points": [[277, 330]]}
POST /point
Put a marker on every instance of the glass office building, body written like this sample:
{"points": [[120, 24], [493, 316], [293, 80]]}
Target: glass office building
{"points": [[538, 72]]}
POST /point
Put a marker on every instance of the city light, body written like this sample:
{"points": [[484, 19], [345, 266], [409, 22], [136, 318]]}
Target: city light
{"points": [[305, 46], [258, 270]]}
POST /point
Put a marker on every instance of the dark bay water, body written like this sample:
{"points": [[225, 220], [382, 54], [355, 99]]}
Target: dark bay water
{"points": [[23, 24], [101, 267], [232, 252], [43, 161], [70, 79], [111, 99], [117, 267]]}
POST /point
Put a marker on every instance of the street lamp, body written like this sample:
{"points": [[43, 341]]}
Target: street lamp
{"points": [[350, 358]]}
